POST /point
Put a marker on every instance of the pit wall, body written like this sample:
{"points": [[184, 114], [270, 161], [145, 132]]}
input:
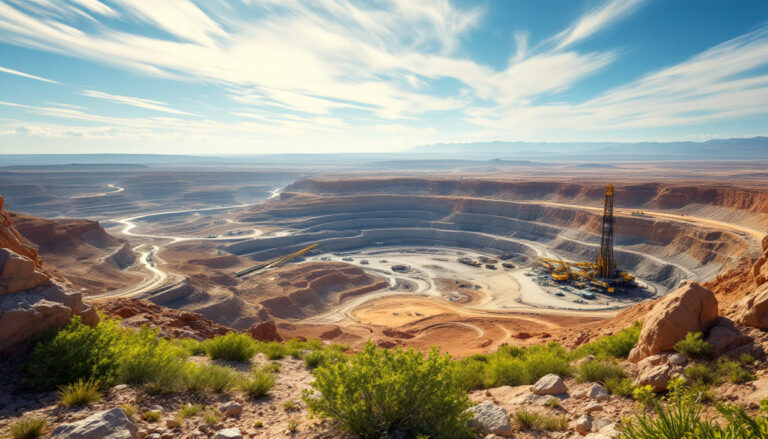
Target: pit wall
{"points": [[663, 252]]}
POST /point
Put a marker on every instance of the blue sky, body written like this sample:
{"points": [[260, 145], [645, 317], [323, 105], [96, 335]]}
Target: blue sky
{"points": [[274, 76]]}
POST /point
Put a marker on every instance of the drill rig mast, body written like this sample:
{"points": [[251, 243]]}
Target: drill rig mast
{"points": [[606, 267]]}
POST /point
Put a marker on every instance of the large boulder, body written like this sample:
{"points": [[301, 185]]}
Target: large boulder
{"points": [[725, 336], [265, 331], [490, 418], [550, 384], [752, 310], [110, 424], [690, 308], [26, 314], [17, 272], [657, 376]]}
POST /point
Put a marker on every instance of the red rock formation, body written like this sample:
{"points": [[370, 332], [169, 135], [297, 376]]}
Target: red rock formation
{"points": [[30, 301], [170, 323], [11, 239], [264, 331], [690, 308]]}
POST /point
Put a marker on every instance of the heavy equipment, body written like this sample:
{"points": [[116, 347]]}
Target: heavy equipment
{"points": [[275, 262], [606, 267]]}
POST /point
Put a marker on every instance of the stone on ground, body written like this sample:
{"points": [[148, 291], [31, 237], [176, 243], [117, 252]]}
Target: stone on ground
{"points": [[549, 385], [598, 392], [490, 418], [110, 424], [228, 433]]}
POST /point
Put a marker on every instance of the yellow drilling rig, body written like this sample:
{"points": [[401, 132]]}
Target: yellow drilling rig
{"points": [[602, 273]]}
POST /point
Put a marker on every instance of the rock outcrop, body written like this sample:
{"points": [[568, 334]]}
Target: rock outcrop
{"points": [[549, 384], [690, 308], [265, 331], [30, 300], [110, 424], [490, 418], [752, 310], [169, 322]]}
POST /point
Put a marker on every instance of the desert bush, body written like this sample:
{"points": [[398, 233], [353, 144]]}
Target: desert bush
{"points": [[191, 346], [470, 373], [129, 409], [694, 346], [232, 347], [599, 372], [703, 373], [81, 392], [293, 424], [274, 350], [289, 405], [379, 391], [75, 352], [28, 427], [211, 416], [644, 395], [619, 386], [528, 420], [189, 411], [313, 359], [259, 384], [612, 346], [151, 416], [208, 378]]}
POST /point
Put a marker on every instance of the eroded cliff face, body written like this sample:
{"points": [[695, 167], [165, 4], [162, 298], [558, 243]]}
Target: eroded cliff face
{"points": [[31, 300]]}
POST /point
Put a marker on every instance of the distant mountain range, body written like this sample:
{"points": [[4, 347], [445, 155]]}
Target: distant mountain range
{"points": [[755, 148]]}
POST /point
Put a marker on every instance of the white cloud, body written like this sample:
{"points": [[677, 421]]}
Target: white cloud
{"points": [[148, 104], [596, 20], [27, 75]]}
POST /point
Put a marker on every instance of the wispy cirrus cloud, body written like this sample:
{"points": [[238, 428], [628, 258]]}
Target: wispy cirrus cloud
{"points": [[27, 75], [348, 69], [148, 104]]}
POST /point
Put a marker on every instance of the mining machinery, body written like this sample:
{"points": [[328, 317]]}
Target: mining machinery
{"points": [[606, 267], [600, 274]]}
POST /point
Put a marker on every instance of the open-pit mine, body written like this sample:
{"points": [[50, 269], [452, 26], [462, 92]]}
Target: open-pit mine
{"points": [[466, 263]]}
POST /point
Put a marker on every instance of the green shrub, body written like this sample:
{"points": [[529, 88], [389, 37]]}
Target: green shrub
{"points": [[232, 347], [599, 372], [76, 352], [274, 350], [379, 391], [681, 418], [313, 359], [612, 346], [208, 378], [703, 373], [151, 416], [189, 411], [129, 409], [553, 403], [470, 373], [644, 395], [289, 405], [259, 384], [81, 392], [28, 427], [191, 346], [293, 424], [211, 416], [619, 386], [535, 421], [272, 367], [694, 346]]}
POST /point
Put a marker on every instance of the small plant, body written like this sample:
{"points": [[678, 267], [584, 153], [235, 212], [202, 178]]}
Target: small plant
{"points": [[82, 392], [289, 405], [313, 359], [612, 346], [258, 424], [129, 409], [746, 360], [211, 416], [272, 367], [644, 395], [28, 427], [380, 390], [259, 384], [535, 421], [599, 371], [151, 416], [694, 346], [189, 411], [232, 347], [209, 378], [703, 373], [553, 403], [619, 386], [274, 350], [293, 424]]}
